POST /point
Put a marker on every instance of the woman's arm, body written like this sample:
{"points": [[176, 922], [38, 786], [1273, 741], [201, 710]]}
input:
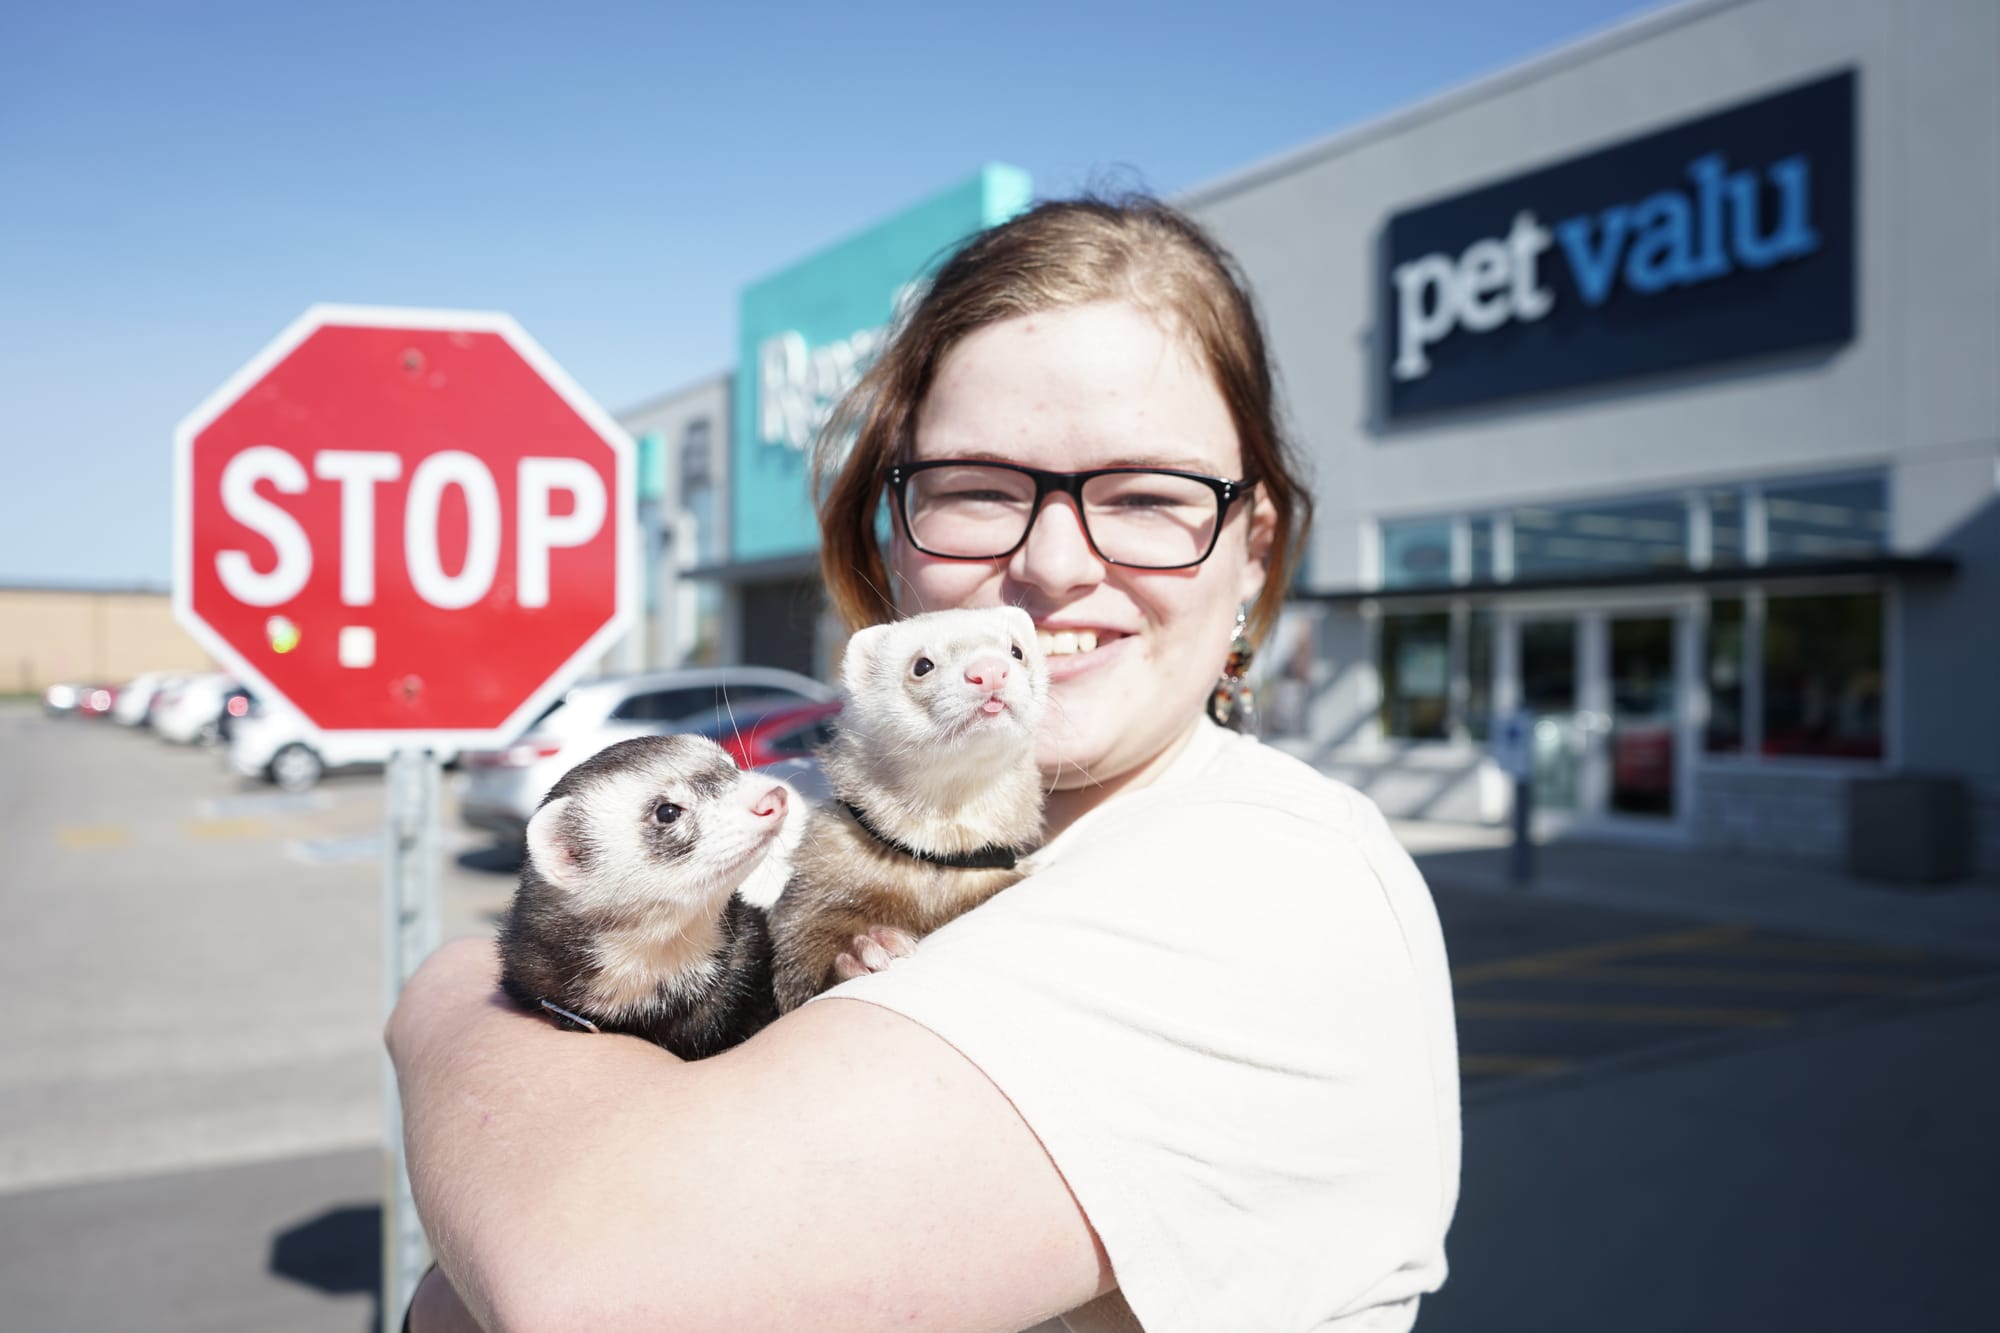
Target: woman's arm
{"points": [[843, 1169]]}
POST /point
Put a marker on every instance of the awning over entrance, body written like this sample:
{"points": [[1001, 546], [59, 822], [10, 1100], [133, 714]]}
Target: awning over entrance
{"points": [[1901, 567], [802, 566]]}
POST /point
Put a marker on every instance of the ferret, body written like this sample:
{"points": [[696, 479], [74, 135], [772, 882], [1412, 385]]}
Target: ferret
{"points": [[937, 799], [628, 916], [636, 907]]}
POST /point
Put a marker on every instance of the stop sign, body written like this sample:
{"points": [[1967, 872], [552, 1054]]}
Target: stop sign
{"points": [[407, 524]]}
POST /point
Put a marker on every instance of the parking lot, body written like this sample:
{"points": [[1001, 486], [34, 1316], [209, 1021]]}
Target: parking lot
{"points": [[194, 1077], [1545, 987]]}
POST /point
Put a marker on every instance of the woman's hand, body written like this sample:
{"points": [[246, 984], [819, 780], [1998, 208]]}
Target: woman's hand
{"points": [[436, 1308]]}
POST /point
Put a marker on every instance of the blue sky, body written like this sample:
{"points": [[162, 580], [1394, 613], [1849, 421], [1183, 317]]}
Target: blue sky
{"points": [[178, 182]]}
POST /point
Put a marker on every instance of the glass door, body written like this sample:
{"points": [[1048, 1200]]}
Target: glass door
{"points": [[1644, 735], [1606, 692], [1550, 677]]}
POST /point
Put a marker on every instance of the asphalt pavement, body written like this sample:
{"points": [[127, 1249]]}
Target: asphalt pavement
{"points": [[1700, 1092]]}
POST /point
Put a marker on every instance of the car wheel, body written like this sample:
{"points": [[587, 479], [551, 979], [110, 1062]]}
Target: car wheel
{"points": [[295, 768]]}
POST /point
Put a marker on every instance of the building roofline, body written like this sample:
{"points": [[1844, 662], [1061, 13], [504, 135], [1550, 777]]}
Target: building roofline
{"points": [[1589, 47], [105, 588], [1904, 567], [660, 400]]}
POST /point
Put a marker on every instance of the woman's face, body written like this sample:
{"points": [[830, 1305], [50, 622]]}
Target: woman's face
{"points": [[1099, 385]]}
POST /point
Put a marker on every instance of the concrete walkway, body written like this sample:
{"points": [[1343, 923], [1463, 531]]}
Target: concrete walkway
{"points": [[1960, 919]]}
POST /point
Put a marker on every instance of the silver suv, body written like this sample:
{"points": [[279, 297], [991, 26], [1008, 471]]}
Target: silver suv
{"points": [[499, 789]]}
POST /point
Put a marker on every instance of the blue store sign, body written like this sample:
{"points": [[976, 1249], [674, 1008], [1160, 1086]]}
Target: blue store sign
{"points": [[1724, 237], [807, 334]]}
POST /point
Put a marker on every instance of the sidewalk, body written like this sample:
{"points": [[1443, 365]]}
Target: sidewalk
{"points": [[1962, 918]]}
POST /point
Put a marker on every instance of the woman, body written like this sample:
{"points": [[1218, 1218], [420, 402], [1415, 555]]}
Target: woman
{"points": [[1196, 1073]]}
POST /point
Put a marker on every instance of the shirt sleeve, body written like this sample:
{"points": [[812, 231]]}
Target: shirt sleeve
{"points": [[1226, 1018]]}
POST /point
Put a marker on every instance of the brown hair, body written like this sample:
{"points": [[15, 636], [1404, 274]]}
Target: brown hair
{"points": [[1060, 253]]}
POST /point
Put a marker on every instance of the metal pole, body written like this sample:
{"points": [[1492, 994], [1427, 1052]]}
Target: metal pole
{"points": [[1521, 863], [410, 931]]}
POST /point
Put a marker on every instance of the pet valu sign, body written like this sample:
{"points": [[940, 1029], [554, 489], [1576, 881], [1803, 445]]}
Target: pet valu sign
{"points": [[1727, 236]]}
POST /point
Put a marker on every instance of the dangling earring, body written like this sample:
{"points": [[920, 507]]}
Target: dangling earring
{"points": [[1232, 704]]}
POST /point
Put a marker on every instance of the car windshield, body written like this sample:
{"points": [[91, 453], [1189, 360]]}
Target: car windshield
{"points": [[733, 717]]}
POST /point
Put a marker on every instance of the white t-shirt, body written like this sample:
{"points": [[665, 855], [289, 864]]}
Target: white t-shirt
{"points": [[1222, 1004]]}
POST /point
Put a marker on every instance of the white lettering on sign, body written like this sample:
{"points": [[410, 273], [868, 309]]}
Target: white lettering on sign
{"points": [[542, 531], [798, 386], [240, 500], [357, 472], [1676, 237], [1492, 282], [449, 592]]}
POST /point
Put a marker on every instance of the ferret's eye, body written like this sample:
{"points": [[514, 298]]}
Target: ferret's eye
{"points": [[1016, 650], [666, 812], [922, 666]]}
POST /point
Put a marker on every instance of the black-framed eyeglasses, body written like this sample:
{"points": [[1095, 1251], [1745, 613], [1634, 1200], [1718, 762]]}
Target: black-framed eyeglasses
{"points": [[1137, 517]]}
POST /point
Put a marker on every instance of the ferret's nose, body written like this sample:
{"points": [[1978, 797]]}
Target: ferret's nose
{"points": [[771, 803], [988, 673]]}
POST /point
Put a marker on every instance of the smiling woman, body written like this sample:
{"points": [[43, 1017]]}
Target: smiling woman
{"points": [[1196, 1071]]}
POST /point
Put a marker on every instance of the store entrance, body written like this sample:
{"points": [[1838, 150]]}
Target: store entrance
{"points": [[1603, 689]]}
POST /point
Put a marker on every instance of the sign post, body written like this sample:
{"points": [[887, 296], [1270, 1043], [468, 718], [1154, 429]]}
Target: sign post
{"points": [[1514, 751], [409, 526]]}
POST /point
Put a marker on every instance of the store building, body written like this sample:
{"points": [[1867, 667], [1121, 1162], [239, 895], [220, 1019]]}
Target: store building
{"points": [[683, 524], [1653, 388], [806, 333]]}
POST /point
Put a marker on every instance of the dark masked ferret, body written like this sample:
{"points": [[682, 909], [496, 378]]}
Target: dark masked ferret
{"points": [[627, 916], [935, 791]]}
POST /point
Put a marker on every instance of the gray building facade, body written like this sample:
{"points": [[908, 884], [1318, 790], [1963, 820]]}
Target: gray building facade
{"points": [[1652, 391]]}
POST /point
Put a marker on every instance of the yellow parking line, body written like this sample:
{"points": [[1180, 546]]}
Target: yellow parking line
{"points": [[92, 835], [215, 830], [1667, 1014], [1838, 983], [1558, 960], [1509, 1064], [1820, 951]]}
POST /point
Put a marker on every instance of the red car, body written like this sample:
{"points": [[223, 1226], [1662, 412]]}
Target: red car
{"points": [[759, 737]]}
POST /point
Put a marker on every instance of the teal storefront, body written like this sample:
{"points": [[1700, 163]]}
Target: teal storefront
{"points": [[805, 335]]}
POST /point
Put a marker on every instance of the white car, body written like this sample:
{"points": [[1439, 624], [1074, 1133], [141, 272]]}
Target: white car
{"points": [[136, 699], [499, 789], [273, 743], [190, 712]]}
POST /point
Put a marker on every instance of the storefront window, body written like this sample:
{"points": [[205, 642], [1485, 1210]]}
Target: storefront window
{"points": [[1727, 547], [1823, 686], [1724, 733], [1480, 558], [1416, 676], [1417, 553], [1827, 520], [1600, 538], [1479, 674]]}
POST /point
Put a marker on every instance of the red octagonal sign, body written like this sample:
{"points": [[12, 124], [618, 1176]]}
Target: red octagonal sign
{"points": [[409, 524]]}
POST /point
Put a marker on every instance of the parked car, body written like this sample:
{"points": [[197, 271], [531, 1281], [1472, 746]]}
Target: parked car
{"points": [[190, 712], [500, 789], [759, 735], [274, 744], [62, 698], [96, 700], [135, 701], [236, 706]]}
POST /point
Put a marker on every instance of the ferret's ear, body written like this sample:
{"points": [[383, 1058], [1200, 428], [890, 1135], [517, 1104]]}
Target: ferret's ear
{"points": [[860, 654], [1020, 622], [551, 846]]}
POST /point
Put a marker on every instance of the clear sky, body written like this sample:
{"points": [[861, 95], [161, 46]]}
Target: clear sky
{"points": [[180, 181]]}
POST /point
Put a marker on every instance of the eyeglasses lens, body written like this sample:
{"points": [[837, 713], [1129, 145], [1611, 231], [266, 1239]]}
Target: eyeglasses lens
{"points": [[1151, 520]]}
